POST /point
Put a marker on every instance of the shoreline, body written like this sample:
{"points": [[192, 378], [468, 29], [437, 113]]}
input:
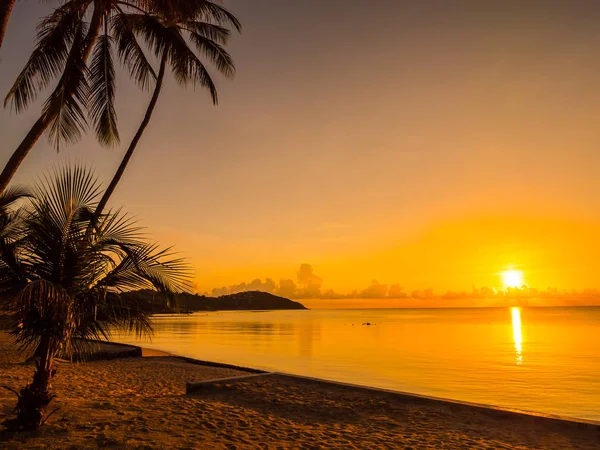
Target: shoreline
{"points": [[492, 410], [142, 403]]}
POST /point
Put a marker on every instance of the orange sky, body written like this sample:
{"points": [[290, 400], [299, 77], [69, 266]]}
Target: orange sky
{"points": [[420, 143]]}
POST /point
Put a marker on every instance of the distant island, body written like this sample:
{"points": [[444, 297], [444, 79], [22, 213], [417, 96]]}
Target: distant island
{"points": [[189, 303]]}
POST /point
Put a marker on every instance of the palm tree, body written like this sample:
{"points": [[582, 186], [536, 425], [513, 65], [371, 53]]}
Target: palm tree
{"points": [[63, 286], [65, 41], [167, 31], [6, 7]]}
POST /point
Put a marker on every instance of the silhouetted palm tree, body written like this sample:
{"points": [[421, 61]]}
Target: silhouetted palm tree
{"points": [[62, 285], [65, 41], [167, 31]]}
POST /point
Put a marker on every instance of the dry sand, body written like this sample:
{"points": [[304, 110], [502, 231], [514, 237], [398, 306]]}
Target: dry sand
{"points": [[141, 403]]}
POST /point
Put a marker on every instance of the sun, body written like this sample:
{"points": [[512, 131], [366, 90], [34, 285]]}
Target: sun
{"points": [[512, 278]]}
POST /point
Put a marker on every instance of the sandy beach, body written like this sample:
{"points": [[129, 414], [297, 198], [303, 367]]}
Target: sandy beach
{"points": [[140, 403]]}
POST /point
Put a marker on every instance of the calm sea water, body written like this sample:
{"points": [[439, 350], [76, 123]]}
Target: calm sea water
{"points": [[535, 359]]}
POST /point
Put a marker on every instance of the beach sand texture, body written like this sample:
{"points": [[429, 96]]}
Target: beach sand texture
{"points": [[140, 403]]}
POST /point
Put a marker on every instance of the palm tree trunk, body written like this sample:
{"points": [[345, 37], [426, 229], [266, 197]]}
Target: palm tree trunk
{"points": [[136, 139], [35, 397], [21, 152], [42, 123], [6, 7]]}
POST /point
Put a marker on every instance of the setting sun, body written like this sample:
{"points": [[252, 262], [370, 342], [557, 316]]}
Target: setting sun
{"points": [[512, 278]]}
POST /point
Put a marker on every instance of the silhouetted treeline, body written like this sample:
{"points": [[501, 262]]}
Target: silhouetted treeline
{"points": [[187, 303]]}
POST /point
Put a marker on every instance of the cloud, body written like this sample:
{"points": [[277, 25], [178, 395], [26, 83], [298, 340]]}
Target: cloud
{"points": [[376, 290], [287, 288], [396, 291], [309, 281], [309, 285]]}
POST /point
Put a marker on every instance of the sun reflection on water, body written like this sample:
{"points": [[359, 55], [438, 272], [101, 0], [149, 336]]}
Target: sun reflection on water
{"points": [[517, 333]]}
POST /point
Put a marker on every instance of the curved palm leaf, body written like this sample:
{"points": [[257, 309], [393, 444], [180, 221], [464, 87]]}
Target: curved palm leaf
{"points": [[55, 34], [11, 196], [102, 98], [209, 30], [204, 10], [130, 52], [213, 51], [187, 67], [42, 310], [65, 108]]}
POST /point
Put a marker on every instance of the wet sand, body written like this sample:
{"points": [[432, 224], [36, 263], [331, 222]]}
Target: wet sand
{"points": [[140, 403]]}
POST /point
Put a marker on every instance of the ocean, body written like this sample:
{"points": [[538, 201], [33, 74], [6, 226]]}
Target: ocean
{"points": [[545, 360]]}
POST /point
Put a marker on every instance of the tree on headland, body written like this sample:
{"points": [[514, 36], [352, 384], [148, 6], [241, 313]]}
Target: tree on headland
{"points": [[62, 285], [167, 30]]}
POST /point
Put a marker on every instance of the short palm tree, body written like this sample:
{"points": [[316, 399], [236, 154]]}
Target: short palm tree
{"points": [[65, 41], [168, 31], [62, 285]]}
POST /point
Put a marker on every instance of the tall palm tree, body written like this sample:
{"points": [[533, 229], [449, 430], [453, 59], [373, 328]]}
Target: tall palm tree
{"points": [[65, 42], [63, 286], [6, 7], [167, 31], [63, 47]]}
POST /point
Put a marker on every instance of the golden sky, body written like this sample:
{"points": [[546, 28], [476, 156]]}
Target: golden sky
{"points": [[432, 144]]}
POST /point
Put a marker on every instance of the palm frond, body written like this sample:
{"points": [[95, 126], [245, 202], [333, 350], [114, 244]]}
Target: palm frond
{"points": [[151, 29], [11, 195], [43, 311], [117, 228], [214, 52], [208, 11], [57, 224], [10, 216], [102, 92], [146, 266], [130, 52], [13, 271], [216, 33], [55, 34], [65, 186], [212, 12], [187, 67], [66, 105]]}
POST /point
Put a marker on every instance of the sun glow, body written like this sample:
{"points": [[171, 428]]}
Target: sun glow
{"points": [[512, 278], [517, 334]]}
